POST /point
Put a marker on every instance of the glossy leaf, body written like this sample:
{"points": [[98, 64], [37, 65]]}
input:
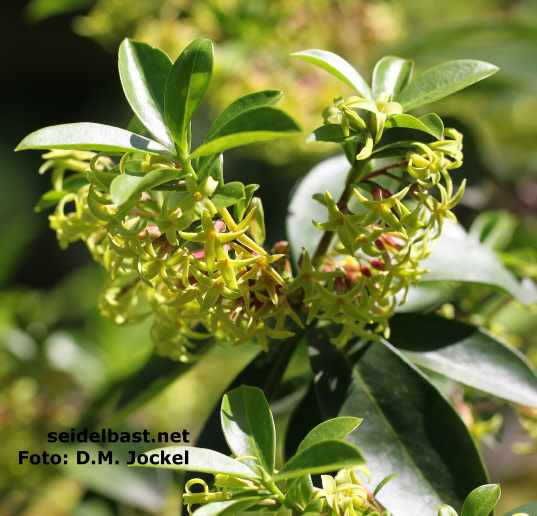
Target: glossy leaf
{"points": [[481, 501], [530, 510], [255, 125], [228, 195], [202, 460], [126, 187], [321, 457], [337, 428], [430, 123], [409, 428], [338, 67], [446, 510], [391, 75], [264, 371], [241, 106], [300, 489], [90, 136], [466, 354], [314, 508], [443, 80], [459, 257], [186, 86], [332, 133], [143, 71], [228, 507], [249, 428], [211, 166]]}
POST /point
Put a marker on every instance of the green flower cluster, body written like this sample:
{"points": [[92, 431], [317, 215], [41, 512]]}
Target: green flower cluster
{"points": [[173, 254], [346, 494], [182, 245], [378, 249]]}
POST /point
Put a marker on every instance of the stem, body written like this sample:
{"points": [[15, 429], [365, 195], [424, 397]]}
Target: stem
{"points": [[280, 497], [329, 236], [187, 166], [384, 172]]}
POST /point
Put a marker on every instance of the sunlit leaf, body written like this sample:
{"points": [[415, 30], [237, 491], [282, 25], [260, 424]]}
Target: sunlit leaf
{"points": [[143, 71], [391, 75], [186, 86], [338, 67], [442, 80], [90, 136], [249, 428]]}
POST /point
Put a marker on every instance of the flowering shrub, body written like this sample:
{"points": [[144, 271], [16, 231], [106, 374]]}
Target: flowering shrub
{"points": [[182, 245]]}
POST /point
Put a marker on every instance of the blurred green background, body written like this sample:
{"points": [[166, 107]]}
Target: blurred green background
{"points": [[59, 65]]}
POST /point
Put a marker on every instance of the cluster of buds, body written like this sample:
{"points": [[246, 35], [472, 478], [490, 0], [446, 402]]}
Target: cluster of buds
{"points": [[347, 113], [347, 495], [175, 255], [377, 255], [224, 487]]}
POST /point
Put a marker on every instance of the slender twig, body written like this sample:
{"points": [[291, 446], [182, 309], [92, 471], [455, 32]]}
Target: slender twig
{"points": [[384, 171]]}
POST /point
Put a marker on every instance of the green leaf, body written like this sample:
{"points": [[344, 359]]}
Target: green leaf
{"points": [[321, 457], [300, 489], [443, 80], [202, 460], [337, 428], [314, 508], [330, 175], [228, 507], [391, 75], [430, 123], [332, 133], [143, 71], [338, 67], [228, 195], [90, 136], [239, 107], [126, 187], [249, 428], [466, 354], [255, 125], [419, 433], [481, 501], [186, 86], [530, 510], [446, 510], [459, 257], [211, 166], [264, 371]]}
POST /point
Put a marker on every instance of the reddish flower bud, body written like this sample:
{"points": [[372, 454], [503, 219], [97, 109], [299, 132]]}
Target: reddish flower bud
{"points": [[339, 285], [376, 192], [365, 271], [378, 265], [200, 254], [386, 193], [219, 225], [153, 231], [379, 242]]}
